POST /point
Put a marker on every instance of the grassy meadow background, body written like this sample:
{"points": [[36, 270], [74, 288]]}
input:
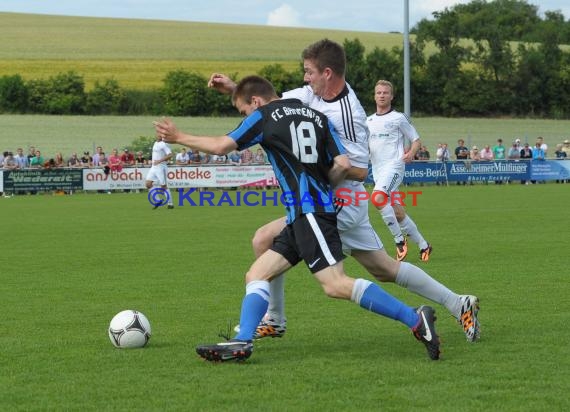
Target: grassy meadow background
{"points": [[139, 53], [69, 263], [68, 134]]}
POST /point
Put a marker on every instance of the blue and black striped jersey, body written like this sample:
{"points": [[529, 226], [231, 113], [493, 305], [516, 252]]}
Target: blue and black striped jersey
{"points": [[300, 144]]}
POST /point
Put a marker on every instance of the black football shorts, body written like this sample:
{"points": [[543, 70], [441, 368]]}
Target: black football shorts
{"points": [[313, 238]]}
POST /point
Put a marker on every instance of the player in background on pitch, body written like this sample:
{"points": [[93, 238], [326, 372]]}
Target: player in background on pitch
{"points": [[326, 90], [161, 154], [389, 131], [307, 158]]}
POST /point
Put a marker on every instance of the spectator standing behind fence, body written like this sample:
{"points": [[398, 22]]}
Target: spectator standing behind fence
{"points": [[219, 159], [103, 161], [234, 158], [86, 160], [517, 144], [486, 153], [74, 161], [566, 148], [514, 152], [259, 157], [127, 158], [543, 146], [422, 154], [246, 156], [37, 161], [182, 157], [206, 158], [31, 154], [442, 153], [21, 159], [195, 158], [499, 150], [115, 163], [58, 161], [499, 154], [96, 156], [537, 152], [140, 160], [560, 155], [9, 162], [474, 154], [526, 152], [461, 152]]}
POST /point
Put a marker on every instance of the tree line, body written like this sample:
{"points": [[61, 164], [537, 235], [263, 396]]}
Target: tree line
{"points": [[475, 70]]}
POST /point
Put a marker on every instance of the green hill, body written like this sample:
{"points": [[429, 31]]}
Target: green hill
{"points": [[138, 53]]}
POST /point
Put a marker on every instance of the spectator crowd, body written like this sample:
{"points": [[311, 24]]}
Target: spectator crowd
{"points": [[518, 150], [34, 159]]}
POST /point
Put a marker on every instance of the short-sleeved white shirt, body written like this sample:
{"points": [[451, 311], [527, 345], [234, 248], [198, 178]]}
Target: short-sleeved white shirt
{"points": [[159, 151], [388, 135]]}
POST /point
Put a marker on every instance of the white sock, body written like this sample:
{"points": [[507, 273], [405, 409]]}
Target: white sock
{"points": [[169, 197], [416, 280], [360, 285], [276, 307], [409, 227], [389, 217]]}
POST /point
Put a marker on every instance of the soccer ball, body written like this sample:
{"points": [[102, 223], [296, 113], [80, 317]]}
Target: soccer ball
{"points": [[129, 329]]}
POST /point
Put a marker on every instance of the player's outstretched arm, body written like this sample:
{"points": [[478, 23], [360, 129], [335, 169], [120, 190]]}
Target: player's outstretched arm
{"points": [[221, 83], [168, 132]]}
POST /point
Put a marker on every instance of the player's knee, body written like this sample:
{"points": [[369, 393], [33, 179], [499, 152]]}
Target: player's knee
{"points": [[380, 199], [261, 241], [148, 185]]}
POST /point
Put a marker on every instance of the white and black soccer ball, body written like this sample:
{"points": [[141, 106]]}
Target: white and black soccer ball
{"points": [[129, 329]]}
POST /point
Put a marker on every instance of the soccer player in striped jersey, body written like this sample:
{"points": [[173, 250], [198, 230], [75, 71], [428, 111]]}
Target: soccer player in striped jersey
{"points": [[307, 158], [326, 90], [389, 132]]}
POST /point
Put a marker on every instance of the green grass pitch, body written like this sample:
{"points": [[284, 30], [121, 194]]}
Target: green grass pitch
{"points": [[70, 263]]}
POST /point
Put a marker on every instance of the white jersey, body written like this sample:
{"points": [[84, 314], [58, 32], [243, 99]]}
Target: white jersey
{"points": [[348, 117], [388, 134], [159, 151]]}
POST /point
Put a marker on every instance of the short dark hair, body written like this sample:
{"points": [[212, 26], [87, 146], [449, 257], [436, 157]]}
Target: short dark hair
{"points": [[253, 86], [326, 53]]}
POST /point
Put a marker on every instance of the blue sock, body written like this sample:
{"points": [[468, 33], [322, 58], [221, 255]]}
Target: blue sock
{"points": [[253, 307], [372, 297]]}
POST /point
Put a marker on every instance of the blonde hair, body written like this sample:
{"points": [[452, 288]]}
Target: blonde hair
{"points": [[385, 83]]}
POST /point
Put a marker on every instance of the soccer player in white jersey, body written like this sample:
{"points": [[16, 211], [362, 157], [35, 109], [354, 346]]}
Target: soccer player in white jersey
{"points": [[161, 154], [389, 132], [324, 64]]}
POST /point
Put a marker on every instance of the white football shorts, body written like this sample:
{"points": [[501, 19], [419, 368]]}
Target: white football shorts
{"points": [[356, 232], [388, 178], [157, 174]]}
